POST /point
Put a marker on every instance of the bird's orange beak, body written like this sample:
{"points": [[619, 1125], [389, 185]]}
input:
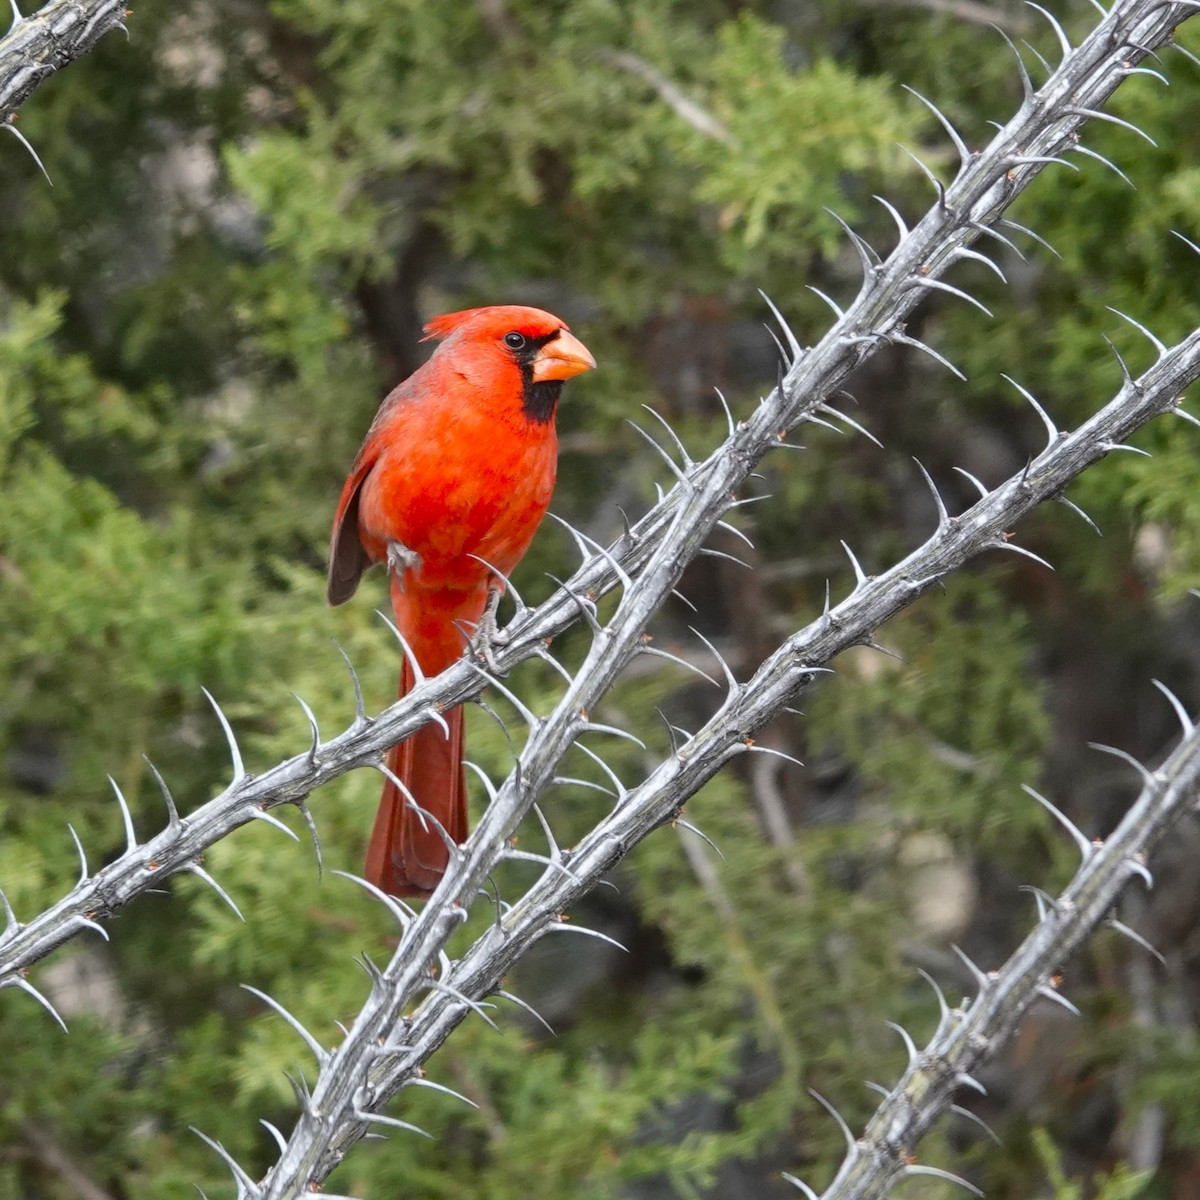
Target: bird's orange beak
{"points": [[562, 358]]}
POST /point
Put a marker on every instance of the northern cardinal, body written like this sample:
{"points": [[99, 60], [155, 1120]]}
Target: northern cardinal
{"points": [[450, 484]]}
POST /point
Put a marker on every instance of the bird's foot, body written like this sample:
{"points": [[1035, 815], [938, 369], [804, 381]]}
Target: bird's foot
{"points": [[488, 635], [400, 559]]}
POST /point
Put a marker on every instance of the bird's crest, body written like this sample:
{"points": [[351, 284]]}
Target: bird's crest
{"points": [[443, 326]]}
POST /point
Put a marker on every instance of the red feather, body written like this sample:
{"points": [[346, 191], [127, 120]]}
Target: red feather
{"points": [[455, 472]]}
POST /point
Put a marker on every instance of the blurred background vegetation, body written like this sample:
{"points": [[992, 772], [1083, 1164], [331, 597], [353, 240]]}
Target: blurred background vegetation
{"points": [[255, 206]]}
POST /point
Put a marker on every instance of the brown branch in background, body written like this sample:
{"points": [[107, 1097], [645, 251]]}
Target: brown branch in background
{"points": [[45, 1148], [969, 10], [498, 19], [670, 94]]}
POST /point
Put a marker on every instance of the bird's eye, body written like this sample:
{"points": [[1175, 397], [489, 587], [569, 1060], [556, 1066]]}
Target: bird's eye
{"points": [[514, 340]]}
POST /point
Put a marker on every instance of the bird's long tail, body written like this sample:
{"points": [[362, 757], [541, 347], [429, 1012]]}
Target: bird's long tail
{"points": [[407, 854]]}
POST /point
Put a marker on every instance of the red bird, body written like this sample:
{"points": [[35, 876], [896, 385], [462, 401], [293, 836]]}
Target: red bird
{"points": [[453, 479]]}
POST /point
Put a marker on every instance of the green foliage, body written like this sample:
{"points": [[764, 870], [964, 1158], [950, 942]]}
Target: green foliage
{"points": [[1121, 1183]]}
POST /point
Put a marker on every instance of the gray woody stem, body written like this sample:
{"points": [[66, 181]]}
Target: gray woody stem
{"points": [[37, 46], [970, 1033]]}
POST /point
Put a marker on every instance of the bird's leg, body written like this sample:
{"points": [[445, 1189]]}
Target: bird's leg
{"points": [[400, 559], [487, 633]]}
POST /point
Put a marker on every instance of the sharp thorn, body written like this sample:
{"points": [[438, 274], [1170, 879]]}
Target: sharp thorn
{"points": [[1079, 512], [405, 649], [622, 790], [938, 1173], [731, 682], [533, 1012], [526, 714], [173, 820], [542, 652], [1013, 548], [1139, 868], [1184, 720], [403, 914], [933, 179], [900, 223], [1155, 342], [729, 421], [1112, 166], [1041, 241], [418, 1081], [447, 989], [978, 1120], [837, 1116], [239, 771], [654, 652], [585, 607], [83, 866], [927, 281], [427, 819], [980, 976], [909, 1045], [574, 781], [774, 753], [1096, 114], [943, 1007], [312, 833], [310, 716], [21, 982], [1026, 82], [684, 456], [567, 927], [1049, 993], [799, 1183], [859, 576], [261, 815], [393, 1122], [975, 256], [797, 351], [1052, 431], [841, 416], [1134, 936], [964, 155], [518, 603], [319, 1051], [838, 311], [1038, 55], [675, 470], [246, 1185], [943, 515], [280, 1140], [682, 824], [32, 152], [1085, 847], [11, 924], [1063, 43], [903, 339], [197, 870], [1146, 774], [131, 841]]}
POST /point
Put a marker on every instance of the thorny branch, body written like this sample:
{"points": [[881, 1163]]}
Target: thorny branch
{"points": [[970, 1033], [37, 46], [382, 1051]]}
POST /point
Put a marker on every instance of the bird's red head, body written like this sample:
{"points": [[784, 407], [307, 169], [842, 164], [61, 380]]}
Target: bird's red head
{"points": [[531, 341]]}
